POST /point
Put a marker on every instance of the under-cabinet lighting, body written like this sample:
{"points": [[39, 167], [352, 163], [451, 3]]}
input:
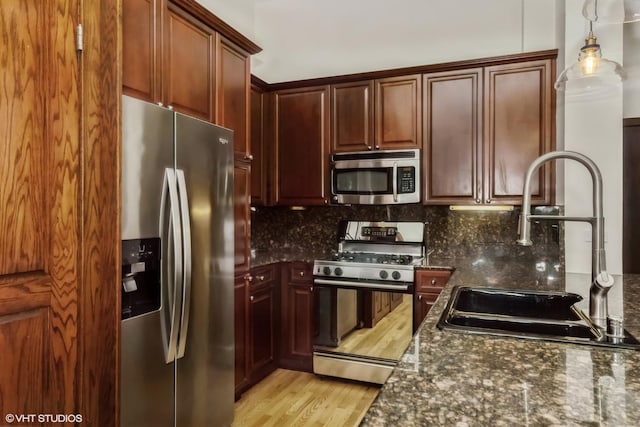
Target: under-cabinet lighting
{"points": [[480, 208], [297, 208]]}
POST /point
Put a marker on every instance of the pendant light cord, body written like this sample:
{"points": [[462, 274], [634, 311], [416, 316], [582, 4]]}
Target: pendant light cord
{"points": [[522, 26]]}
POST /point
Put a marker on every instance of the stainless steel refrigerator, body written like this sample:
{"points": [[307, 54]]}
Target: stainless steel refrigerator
{"points": [[177, 354]]}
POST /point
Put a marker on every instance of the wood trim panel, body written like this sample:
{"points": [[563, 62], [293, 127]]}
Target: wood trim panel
{"points": [[100, 256], [203, 14], [431, 68]]}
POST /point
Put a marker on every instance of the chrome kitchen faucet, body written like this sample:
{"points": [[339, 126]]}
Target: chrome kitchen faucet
{"points": [[601, 281]]}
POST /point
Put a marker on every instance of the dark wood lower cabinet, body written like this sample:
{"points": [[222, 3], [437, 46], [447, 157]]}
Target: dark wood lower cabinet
{"points": [[256, 325], [263, 322], [297, 317], [241, 310], [429, 284]]}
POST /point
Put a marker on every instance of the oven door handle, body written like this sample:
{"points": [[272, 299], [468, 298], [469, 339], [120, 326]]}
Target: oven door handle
{"points": [[364, 285]]}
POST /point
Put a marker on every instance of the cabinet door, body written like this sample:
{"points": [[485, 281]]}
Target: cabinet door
{"points": [[241, 215], [398, 110], [259, 164], [140, 45], [519, 109], [189, 65], [352, 117], [423, 303], [233, 95], [302, 146], [262, 333], [452, 121], [298, 314], [240, 294]]}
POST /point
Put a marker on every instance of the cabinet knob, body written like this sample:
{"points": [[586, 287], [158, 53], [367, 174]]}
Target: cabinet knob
{"points": [[478, 200], [489, 200], [377, 147], [249, 277], [249, 157], [302, 274], [170, 107], [311, 289], [251, 298], [419, 297], [326, 201], [261, 278], [369, 147], [433, 282]]}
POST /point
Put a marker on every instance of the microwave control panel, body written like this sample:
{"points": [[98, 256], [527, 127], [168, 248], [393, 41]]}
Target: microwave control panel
{"points": [[406, 179]]}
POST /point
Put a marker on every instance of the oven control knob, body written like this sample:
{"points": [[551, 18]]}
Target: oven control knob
{"points": [[326, 271], [395, 275], [338, 271], [384, 274]]}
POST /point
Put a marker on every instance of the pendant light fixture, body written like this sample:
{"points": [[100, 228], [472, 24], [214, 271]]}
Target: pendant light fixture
{"points": [[611, 11], [592, 73]]}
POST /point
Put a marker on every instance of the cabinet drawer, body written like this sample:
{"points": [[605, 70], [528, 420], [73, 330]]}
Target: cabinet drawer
{"points": [[431, 281], [300, 272], [429, 297], [263, 275]]}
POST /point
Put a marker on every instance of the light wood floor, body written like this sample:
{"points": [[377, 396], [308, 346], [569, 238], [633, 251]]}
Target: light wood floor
{"points": [[289, 398]]}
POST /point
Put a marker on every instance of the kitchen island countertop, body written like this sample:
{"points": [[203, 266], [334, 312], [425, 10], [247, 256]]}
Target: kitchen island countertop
{"points": [[461, 379]]}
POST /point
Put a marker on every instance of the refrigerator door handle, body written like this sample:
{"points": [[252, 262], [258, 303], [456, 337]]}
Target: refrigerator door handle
{"points": [[172, 259], [186, 244]]}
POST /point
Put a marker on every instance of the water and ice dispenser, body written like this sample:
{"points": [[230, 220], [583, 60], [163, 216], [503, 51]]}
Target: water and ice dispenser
{"points": [[140, 277]]}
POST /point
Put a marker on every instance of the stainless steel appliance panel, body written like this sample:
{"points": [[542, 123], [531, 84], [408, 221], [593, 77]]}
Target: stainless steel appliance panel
{"points": [[147, 381], [147, 149], [205, 374]]}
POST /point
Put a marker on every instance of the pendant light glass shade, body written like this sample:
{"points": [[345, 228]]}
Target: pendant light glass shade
{"points": [[592, 73], [611, 11]]}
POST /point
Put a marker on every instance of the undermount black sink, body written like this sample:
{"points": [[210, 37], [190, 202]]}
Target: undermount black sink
{"points": [[542, 315]]}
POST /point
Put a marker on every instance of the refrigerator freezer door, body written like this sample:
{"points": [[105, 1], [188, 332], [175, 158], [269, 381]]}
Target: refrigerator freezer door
{"points": [[205, 374], [147, 381], [147, 149]]}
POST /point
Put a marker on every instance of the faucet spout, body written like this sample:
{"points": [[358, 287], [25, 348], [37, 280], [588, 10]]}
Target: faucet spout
{"points": [[601, 282]]}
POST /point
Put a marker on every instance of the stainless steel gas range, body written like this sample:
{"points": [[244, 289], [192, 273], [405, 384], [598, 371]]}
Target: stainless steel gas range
{"points": [[365, 299]]}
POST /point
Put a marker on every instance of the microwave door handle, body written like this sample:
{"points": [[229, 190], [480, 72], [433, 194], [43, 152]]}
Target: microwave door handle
{"points": [[395, 181]]}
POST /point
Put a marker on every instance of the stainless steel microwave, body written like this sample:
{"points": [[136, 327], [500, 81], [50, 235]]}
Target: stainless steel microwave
{"points": [[381, 177]]}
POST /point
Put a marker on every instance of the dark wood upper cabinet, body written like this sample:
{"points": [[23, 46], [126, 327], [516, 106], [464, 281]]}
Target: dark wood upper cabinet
{"points": [[398, 112], [452, 121], [352, 117], [259, 164], [376, 114], [189, 79], [233, 96], [302, 146], [139, 49], [519, 111], [241, 215], [176, 52], [482, 129]]}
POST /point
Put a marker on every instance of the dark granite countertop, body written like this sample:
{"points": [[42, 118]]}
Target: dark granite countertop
{"points": [[460, 379]]}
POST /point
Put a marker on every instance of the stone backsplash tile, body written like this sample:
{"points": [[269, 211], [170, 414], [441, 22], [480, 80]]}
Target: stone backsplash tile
{"points": [[448, 233]]}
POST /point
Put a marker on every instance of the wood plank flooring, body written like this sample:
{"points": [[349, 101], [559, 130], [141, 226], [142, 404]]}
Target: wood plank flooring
{"points": [[289, 398]]}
